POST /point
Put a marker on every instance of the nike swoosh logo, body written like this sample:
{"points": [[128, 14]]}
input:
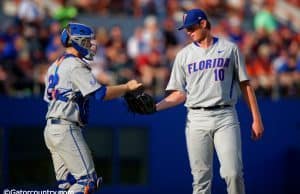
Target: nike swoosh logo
{"points": [[221, 51]]}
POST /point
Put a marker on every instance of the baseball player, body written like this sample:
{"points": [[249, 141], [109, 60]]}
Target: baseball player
{"points": [[69, 85], [207, 75]]}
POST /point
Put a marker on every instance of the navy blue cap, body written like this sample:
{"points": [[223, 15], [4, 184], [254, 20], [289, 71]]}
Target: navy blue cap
{"points": [[192, 17]]}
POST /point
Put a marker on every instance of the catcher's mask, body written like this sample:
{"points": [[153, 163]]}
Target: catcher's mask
{"points": [[81, 37]]}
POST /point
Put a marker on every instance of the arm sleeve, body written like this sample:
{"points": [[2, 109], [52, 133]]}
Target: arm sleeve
{"points": [[177, 78], [83, 78], [239, 60], [100, 93]]}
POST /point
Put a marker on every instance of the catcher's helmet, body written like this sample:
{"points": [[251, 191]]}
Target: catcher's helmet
{"points": [[80, 37]]}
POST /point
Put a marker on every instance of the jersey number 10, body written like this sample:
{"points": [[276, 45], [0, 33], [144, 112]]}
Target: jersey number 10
{"points": [[219, 74]]}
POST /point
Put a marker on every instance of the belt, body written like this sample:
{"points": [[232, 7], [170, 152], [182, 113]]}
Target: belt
{"points": [[210, 107], [62, 122]]}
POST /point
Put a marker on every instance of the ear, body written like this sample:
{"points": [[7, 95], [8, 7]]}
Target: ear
{"points": [[203, 24], [64, 37]]}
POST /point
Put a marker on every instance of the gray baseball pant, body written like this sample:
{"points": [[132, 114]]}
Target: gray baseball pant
{"points": [[70, 155], [219, 129]]}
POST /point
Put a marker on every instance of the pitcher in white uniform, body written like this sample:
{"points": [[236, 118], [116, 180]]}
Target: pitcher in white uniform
{"points": [[208, 75], [69, 85]]}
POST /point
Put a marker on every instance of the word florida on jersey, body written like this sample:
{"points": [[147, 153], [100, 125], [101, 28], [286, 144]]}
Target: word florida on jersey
{"points": [[208, 64]]}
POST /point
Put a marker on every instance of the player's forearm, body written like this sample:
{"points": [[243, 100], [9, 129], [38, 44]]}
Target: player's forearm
{"points": [[173, 99], [249, 96], [115, 91], [119, 90]]}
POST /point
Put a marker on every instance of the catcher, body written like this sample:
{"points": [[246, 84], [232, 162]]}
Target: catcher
{"points": [[69, 86]]}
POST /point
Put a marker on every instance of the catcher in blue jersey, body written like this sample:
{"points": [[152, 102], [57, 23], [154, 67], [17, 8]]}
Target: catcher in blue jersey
{"points": [[208, 75], [69, 86]]}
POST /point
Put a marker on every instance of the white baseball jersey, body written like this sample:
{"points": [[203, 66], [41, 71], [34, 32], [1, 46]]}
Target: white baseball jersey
{"points": [[208, 76], [68, 82]]}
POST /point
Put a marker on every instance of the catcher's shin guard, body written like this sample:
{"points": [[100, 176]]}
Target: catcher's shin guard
{"points": [[92, 186]]}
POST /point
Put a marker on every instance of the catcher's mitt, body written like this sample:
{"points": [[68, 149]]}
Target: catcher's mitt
{"points": [[140, 102]]}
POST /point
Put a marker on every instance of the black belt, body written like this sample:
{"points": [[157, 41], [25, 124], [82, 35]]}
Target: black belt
{"points": [[62, 122], [210, 107]]}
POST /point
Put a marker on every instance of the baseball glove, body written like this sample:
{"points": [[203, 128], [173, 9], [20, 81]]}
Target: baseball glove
{"points": [[140, 102]]}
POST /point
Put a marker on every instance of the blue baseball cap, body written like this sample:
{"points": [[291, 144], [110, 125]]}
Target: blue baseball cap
{"points": [[192, 17]]}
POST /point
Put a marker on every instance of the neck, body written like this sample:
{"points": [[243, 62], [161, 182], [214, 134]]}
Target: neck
{"points": [[206, 42], [72, 51]]}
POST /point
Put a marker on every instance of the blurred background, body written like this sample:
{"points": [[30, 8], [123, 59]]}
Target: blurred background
{"points": [[137, 39]]}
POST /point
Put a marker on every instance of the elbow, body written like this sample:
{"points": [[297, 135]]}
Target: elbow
{"points": [[177, 97], [181, 97]]}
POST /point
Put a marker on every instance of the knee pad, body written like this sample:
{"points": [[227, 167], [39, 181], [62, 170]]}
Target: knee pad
{"points": [[92, 186]]}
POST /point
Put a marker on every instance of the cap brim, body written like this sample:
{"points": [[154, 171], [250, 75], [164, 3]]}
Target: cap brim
{"points": [[180, 28]]}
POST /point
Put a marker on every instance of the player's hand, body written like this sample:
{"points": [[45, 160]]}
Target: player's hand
{"points": [[257, 130], [133, 85]]}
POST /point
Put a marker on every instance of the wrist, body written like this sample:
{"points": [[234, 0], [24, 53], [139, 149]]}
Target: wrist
{"points": [[126, 87], [257, 120]]}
